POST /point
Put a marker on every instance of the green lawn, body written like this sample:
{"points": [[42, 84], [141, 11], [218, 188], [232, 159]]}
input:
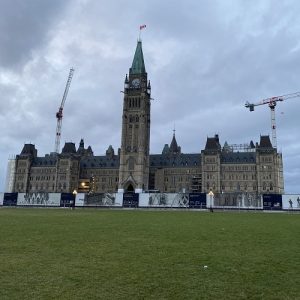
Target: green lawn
{"points": [[122, 254]]}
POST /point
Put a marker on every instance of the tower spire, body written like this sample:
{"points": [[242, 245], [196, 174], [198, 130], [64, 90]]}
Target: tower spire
{"points": [[138, 65], [174, 148]]}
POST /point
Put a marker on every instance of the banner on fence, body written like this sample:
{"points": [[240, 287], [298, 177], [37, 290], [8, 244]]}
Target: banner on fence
{"points": [[272, 202], [39, 199], [164, 200], [291, 201], [197, 200], [10, 199], [130, 200], [101, 199], [67, 200], [119, 199], [236, 200], [79, 199]]}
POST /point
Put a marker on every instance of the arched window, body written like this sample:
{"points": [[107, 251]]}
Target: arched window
{"points": [[130, 188]]}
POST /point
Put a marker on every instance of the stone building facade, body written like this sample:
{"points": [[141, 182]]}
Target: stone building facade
{"points": [[254, 168]]}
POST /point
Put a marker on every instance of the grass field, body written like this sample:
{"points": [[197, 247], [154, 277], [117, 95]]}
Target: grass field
{"points": [[119, 254]]}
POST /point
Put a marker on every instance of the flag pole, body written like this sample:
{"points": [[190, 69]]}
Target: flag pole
{"points": [[141, 27]]}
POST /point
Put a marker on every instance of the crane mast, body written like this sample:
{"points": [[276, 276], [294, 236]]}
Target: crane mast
{"points": [[59, 114], [272, 102]]}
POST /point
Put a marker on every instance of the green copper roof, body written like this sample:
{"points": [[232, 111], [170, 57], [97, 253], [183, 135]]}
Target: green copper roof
{"points": [[138, 65]]}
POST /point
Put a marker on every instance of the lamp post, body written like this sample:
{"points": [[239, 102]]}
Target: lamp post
{"points": [[222, 198], [210, 194], [247, 198], [73, 204]]}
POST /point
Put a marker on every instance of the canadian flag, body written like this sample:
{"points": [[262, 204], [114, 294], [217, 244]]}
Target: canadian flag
{"points": [[142, 27]]}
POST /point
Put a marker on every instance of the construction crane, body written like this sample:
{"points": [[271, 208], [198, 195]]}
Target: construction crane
{"points": [[59, 114], [272, 102]]}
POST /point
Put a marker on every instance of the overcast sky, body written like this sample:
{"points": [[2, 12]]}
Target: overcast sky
{"points": [[205, 59]]}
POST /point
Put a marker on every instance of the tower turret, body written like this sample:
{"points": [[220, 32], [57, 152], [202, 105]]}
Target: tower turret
{"points": [[126, 83]]}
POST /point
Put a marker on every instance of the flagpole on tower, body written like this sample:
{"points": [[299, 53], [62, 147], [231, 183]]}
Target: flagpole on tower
{"points": [[141, 27]]}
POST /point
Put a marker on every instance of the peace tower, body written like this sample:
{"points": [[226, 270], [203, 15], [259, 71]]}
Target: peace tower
{"points": [[134, 156]]}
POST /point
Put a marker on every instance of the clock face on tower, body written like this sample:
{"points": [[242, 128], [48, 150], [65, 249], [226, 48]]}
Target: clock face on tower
{"points": [[135, 82]]}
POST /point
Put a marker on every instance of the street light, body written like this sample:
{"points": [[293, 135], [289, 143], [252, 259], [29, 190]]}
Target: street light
{"points": [[73, 201], [210, 194]]}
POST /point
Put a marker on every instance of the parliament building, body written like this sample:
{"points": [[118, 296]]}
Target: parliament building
{"points": [[251, 168]]}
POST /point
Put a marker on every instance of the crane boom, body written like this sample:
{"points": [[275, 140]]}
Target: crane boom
{"points": [[272, 102], [59, 114]]}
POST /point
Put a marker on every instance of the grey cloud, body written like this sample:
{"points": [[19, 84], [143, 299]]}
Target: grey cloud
{"points": [[24, 26]]}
